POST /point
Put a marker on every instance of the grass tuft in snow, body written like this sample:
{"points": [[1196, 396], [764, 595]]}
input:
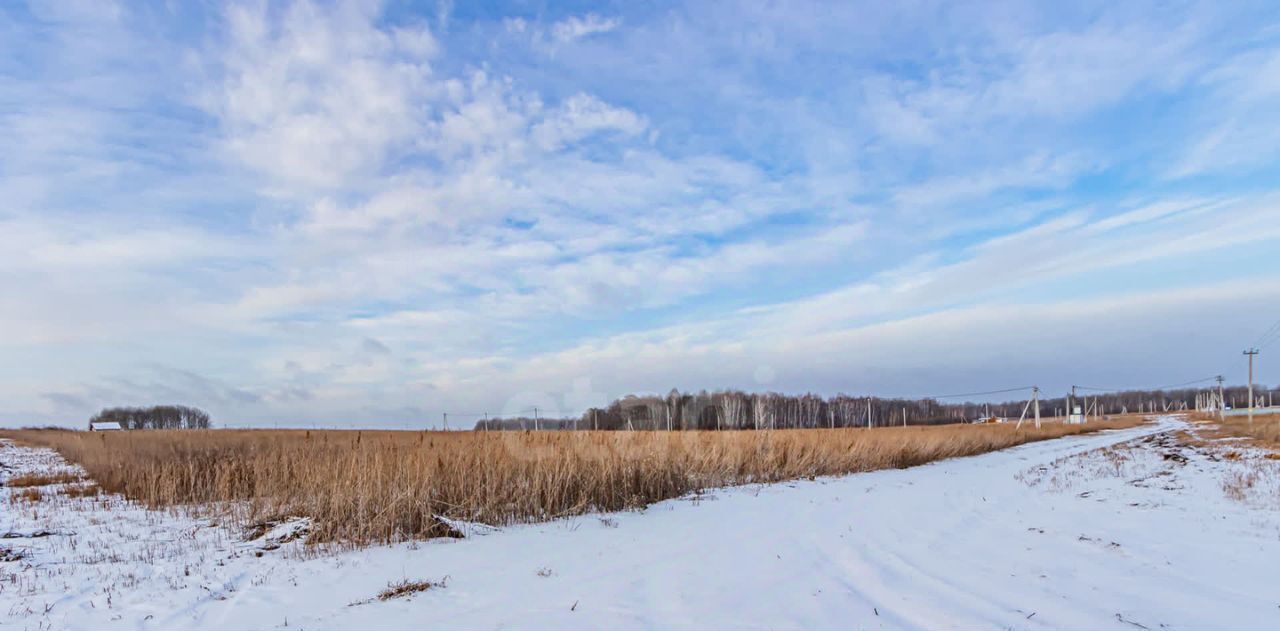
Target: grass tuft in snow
{"points": [[407, 588]]}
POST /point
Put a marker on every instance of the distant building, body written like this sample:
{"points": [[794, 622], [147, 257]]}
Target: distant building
{"points": [[104, 426]]}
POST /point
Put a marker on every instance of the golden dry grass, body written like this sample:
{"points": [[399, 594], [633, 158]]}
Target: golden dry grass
{"points": [[382, 486], [407, 588], [41, 479], [29, 495], [1264, 431]]}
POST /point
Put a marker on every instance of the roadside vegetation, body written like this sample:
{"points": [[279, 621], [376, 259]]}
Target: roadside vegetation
{"points": [[1265, 429], [364, 487], [1251, 449], [1263, 432]]}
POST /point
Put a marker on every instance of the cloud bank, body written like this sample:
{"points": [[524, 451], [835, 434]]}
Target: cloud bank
{"points": [[352, 213]]}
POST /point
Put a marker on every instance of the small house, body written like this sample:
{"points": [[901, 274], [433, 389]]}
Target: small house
{"points": [[104, 426]]}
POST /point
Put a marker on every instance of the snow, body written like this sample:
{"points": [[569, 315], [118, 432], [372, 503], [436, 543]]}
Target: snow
{"points": [[1120, 530]]}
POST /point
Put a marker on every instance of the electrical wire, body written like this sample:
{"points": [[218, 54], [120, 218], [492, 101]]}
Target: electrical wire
{"points": [[1176, 385], [1269, 337], [963, 394]]}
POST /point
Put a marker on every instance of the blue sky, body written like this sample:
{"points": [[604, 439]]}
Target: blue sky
{"points": [[373, 213]]}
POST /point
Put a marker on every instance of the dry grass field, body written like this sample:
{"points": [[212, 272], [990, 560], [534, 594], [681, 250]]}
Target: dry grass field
{"points": [[1265, 428], [1264, 431], [364, 487]]}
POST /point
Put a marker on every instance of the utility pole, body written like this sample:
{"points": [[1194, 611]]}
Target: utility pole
{"points": [[1035, 397], [1035, 401], [904, 416], [868, 412], [535, 419], [1222, 401], [446, 421], [1251, 353]]}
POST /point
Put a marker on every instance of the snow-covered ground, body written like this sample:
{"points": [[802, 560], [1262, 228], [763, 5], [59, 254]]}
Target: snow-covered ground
{"points": [[1122, 530]]}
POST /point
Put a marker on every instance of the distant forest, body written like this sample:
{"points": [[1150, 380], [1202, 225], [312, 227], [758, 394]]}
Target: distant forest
{"points": [[733, 409], [155, 417]]}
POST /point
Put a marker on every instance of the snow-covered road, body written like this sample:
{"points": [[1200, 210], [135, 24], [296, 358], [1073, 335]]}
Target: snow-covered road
{"points": [[1056, 535]]}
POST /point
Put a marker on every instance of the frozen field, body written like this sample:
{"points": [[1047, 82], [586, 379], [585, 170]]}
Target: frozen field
{"points": [[1123, 530]]}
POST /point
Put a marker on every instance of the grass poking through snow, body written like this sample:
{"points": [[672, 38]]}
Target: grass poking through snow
{"points": [[406, 588]]}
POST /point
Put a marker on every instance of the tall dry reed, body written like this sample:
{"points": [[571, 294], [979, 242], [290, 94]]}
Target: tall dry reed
{"points": [[364, 487]]}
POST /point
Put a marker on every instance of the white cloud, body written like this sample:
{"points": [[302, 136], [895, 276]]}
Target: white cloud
{"points": [[1015, 78], [580, 116], [319, 96], [577, 27], [1002, 343], [1238, 133], [550, 39], [434, 219]]}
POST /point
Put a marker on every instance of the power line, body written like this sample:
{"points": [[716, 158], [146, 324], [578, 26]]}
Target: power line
{"points": [[949, 396], [978, 394], [1176, 385], [1272, 332], [1269, 338]]}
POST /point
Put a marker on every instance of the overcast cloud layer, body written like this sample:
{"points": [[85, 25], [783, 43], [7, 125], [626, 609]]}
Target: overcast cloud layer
{"points": [[375, 213]]}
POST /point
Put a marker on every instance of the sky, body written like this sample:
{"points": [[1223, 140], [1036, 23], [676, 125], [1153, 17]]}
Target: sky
{"points": [[372, 214]]}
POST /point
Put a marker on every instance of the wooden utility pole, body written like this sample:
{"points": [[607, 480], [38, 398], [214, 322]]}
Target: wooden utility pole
{"points": [[1251, 353]]}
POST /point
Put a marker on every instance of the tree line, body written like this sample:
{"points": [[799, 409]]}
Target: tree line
{"points": [[735, 409], [154, 417]]}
